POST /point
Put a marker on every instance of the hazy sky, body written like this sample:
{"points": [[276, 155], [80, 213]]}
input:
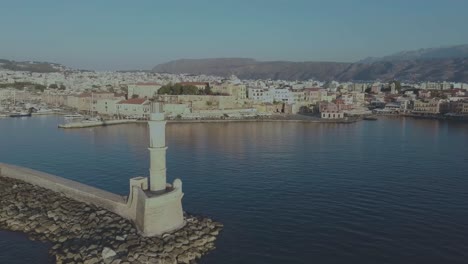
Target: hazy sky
{"points": [[136, 34]]}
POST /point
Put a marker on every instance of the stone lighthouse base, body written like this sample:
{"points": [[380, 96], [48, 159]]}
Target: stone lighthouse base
{"points": [[157, 213]]}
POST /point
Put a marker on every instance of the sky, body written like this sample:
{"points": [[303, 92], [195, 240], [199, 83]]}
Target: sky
{"points": [[130, 35]]}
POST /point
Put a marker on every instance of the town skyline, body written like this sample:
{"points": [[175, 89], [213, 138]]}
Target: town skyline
{"points": [[125, 36]]}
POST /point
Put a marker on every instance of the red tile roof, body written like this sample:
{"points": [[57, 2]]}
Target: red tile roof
{"points": [[148, 84], [194, 83], [133, 101]]}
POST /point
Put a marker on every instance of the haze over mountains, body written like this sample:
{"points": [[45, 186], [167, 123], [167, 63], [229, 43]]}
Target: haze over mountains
{"points": [[434, 64], [32, 66]]}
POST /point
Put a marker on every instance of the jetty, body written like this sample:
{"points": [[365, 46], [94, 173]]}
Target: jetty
{"points": [[86, 123], [90, 225]]}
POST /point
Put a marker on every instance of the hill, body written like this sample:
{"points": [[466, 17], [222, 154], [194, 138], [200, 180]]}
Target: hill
{"points": [[409, 70], [448, 52], [252, 69], [436, 64], [32, 66]]}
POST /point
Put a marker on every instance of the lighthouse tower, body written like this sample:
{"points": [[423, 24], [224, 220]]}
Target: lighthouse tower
{"points": [[156, 204], [157, 131]]}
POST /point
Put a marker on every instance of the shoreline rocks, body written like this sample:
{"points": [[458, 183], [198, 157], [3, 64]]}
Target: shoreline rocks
{"points": [[84, 233]]}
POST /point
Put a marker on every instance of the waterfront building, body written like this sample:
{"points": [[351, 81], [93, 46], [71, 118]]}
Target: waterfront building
{"points": [[106, 106], [261, 95], [330, 111], [53, 99], [134, 108], [332, 115], [433, 106], [392, 107], [405, 105], [464, 108]]}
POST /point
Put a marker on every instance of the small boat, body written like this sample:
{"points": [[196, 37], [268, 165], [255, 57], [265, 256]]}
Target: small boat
{"points": [[22, 114], [370, 118]]}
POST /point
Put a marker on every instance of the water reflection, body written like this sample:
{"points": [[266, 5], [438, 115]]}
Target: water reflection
{"points": [[389, 191]]}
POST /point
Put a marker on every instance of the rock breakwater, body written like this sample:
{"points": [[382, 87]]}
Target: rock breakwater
{"points": [[84, 233]]}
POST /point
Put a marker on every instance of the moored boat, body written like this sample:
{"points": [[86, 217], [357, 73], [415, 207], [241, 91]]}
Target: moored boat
{"points": [[21, 114]]}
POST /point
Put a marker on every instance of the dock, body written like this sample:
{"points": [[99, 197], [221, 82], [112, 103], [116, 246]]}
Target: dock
{"points": [[83, 124]]}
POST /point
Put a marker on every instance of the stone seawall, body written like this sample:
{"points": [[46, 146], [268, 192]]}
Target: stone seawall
{"points": [[72, 189], [82, 232]]}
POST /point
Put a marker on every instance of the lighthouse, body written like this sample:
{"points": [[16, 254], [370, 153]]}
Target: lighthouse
{"points": [[155, 204], [157, 133]]}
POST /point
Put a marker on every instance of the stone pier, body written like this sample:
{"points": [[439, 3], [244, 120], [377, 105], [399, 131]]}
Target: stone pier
{"points": [[154, 205], [90, 225]]}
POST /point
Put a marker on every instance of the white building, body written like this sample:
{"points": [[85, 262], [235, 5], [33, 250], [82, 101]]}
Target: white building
{"points": [[134, 108], [260, 95], [106, 106], [281, 95]]}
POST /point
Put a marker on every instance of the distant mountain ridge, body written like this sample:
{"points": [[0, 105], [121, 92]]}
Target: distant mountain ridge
{"points": [[252, 69], [32, 66], [410, 70], [434, 64], [448, 52]]}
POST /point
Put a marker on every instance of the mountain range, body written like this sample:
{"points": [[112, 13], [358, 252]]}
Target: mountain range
{"points": [[31, 66], [434, 64]]}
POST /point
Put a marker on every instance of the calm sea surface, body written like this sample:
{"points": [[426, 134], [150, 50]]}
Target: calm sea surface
{"points": [[389, 191]]}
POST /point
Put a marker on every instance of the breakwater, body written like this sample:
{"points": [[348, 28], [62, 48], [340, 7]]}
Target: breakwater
{"points": [[83, 124], [85, 233]]}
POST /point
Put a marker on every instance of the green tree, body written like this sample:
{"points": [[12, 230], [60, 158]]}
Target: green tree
{"points": [[397, 85], [62, 87], [178, 89], [39, 87], [53, 86], [207, 90]]}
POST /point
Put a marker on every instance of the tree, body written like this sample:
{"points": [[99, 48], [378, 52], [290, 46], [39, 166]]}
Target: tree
{"points": [[134, 96], [397, 85], [39, 87], [53, 86], [178, 89], [207, 90], [62, 87]]}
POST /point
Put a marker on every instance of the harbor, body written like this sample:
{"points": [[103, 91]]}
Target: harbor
{"points": [[91, 225]]}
